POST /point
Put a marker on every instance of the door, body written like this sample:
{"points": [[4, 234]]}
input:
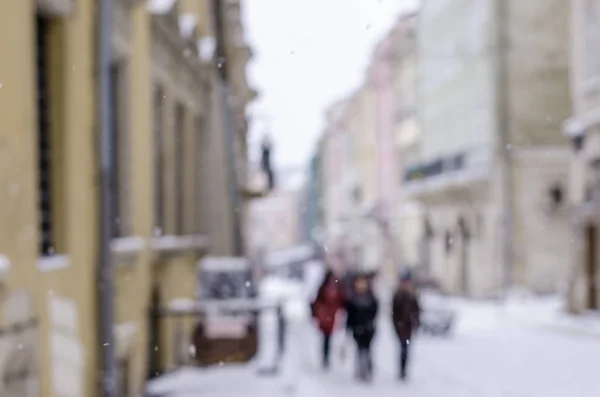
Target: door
{"points": [[465, 237], [154, 340], [591, 267]]}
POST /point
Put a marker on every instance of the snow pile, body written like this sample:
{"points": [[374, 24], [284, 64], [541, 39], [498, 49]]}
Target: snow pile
{"points": [[273, 287], [290, 292], [550, 312], [184, 380]]}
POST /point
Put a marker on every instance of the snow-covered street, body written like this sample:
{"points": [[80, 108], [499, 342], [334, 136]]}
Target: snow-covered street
{"points": [[493, 352]]}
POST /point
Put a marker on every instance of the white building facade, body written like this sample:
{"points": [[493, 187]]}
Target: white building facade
{"points": [[492, 168], [583, 128]]}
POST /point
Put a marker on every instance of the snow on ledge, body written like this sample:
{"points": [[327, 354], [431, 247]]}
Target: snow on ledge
{"points": [[180, 243], [4, 266], [223, 264], [160, 6], [182, 304], [206, 48], [127, 245], [53, 263], [187, 24]]}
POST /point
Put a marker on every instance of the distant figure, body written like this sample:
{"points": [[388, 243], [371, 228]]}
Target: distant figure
{"points": [[265, 161], [406, 313], [361, 309], [281, 331], [329, 300]]}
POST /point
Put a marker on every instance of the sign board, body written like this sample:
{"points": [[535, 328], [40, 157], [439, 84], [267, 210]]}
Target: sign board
{"points": [[225, 327]]}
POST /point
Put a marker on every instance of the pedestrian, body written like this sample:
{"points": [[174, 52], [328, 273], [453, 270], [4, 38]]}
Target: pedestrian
{"points": [[281, 331], [329, 300], [361, 308], [406, 313]]}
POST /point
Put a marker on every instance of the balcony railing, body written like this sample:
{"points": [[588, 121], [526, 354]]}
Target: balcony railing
{"points": [[434, 168]]}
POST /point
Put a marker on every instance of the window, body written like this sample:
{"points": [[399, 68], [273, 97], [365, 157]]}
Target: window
{"points": [[159, 162], [200, 180], [448, 242], [123, 377], [120, 185], [592, 38], [45, 150], [179, 169]]}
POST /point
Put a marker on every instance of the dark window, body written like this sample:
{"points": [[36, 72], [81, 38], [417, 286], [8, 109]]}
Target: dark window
{"points": [[578, 142], [123, 377], [556, 195], [429, 232], [179, 169], [159, 161], [45, 191], [115, 130], [200, 179], [464, 228], [448, 242]]}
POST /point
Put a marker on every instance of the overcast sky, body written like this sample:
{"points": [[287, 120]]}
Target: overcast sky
{"points": [[308, 54]]}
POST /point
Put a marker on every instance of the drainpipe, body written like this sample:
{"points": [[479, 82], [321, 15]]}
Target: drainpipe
{"points": [[230, 134], [105, 292], [503, 148]]}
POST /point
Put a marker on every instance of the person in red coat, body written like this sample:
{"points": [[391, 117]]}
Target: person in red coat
{"points": [[329, 300]]}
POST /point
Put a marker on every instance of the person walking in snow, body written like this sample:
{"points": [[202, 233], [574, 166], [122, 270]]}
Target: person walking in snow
{"points": [[406, 313], [361, 313], [329, 300]]}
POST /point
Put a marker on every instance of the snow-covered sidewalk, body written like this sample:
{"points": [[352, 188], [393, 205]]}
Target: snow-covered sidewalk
{"points": [[549, 313], [498, 349]]}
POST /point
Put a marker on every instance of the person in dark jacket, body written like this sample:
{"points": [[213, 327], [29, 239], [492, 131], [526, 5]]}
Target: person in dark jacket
{"points": [[406, 313], [330, 299], [361, 310]]}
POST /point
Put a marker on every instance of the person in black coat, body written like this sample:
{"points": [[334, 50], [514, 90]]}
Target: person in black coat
{"points": [[406, 313], [361, 310]]}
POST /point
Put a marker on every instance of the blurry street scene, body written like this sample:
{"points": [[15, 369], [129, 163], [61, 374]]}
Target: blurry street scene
{"points": [[227, 198]]}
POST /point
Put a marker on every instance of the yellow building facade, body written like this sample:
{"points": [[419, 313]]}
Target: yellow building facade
{"points": [[165, 117]]}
